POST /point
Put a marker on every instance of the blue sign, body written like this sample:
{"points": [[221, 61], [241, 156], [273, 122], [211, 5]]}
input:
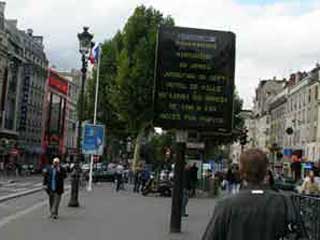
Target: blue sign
{"points": [[287, 152], [308, 165], [93, 139]]}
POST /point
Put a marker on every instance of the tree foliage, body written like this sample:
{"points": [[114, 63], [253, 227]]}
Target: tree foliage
{"points": [[133, 84], [126, 75]]}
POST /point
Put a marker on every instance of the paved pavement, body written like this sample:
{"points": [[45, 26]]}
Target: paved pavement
{"points": [[104, 214], [10, 185]]}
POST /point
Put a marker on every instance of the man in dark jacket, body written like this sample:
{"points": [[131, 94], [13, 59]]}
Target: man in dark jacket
{"points": [[54, 185], [256, 212]]}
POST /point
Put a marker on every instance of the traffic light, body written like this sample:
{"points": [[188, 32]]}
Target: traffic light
{"points": [[244, 136]]}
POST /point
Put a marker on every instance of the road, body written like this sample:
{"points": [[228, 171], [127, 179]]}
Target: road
{"points": [[104, 214], [11, 185]]}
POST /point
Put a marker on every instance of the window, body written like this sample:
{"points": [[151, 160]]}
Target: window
{"points": [[316, 93], [309, 96]]}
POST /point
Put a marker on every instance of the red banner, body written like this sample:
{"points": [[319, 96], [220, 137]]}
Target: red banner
{"points": [[58, 83]]}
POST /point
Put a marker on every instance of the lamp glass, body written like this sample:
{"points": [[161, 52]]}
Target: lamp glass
{"points": [[85, 41]]}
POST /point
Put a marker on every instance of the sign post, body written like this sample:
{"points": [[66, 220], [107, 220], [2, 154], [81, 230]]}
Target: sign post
{"points": [[93, 144], [194, 87]]}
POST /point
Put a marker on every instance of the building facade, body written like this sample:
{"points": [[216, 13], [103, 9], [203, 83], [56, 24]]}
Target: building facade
{"points": [[266, 90], [56, 114], [31, 97], [23, 73], [287, 120], [74, 79]]}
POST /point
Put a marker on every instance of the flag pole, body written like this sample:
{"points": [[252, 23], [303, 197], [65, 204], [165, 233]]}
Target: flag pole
{"points": [[89, 189]]}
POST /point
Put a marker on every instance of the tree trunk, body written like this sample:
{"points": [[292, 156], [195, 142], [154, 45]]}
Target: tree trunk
{"points": [[137, 148]]}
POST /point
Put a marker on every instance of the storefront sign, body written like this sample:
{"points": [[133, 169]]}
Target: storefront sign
{"points": [[25, 97], [56, 82]]}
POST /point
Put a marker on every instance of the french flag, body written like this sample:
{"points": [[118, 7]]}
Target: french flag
{"points": [[95, 52]]}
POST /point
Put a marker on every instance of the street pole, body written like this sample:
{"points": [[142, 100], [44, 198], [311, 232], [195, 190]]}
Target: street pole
{"points": [[89, 189], [75, 175], [176, 207]]}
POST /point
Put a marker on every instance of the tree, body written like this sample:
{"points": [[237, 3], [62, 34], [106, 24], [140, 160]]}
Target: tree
{"points": [[238, 104], [154, 151], [131, 88]]}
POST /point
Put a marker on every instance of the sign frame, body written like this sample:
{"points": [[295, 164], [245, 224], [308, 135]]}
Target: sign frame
{"points": [[167, 40]]}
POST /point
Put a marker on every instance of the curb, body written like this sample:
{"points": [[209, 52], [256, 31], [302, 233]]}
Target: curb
{"points": [[20, 194]]}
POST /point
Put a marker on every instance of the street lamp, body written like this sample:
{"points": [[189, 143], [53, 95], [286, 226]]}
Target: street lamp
{"points": [[85, 39]]}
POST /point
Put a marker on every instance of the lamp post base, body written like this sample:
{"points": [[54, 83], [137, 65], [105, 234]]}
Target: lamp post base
{"points": [[74, 202]]}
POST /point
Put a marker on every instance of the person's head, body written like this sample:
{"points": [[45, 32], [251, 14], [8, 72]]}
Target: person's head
{"points": [[269, 180], [253, 166], [56, 162], [311, 176]]}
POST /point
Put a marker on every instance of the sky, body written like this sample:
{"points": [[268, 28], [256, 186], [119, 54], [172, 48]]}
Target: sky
{"points": [[274, 37]]}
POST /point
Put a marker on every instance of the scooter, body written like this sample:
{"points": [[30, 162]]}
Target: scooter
{"points": [[164, 188]]}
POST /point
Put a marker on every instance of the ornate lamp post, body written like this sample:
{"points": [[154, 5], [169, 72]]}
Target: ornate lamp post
{"points": [[85, 39]]}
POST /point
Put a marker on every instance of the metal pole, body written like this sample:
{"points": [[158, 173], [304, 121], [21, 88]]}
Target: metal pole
{"points": [[176, 207], [89, 189], [75, 175]]}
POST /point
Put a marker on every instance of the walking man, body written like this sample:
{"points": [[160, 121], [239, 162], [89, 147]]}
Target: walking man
{"points": [[256, 212], [54, 185]]}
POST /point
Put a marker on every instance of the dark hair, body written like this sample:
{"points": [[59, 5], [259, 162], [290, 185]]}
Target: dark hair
{"points": [[271, 179], [253, 165]]}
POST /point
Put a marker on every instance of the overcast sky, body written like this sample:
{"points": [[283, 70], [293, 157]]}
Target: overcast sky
{"points": [[274, 37]]}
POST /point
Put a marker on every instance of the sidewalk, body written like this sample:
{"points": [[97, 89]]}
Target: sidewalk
{"points": [[105, 214]]}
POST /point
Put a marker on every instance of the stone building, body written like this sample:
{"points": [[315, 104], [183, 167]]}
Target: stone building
{"points": [[277, 112], [31, 98], [302, 114], [286, 116], [23, 73], [261, 114]]}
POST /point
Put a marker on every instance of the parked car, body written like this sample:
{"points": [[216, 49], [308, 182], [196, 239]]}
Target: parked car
{"points": [[85, 167], [102, 175]]}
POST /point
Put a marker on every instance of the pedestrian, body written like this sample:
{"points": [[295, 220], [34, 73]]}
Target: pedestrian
{"points": [[230, 180], [137, 180], [187, 186], [309, 186], [237, 180], [53, 182], [145, 175], [130, 176], [119, 177], [256, 212], [194, 179]]}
